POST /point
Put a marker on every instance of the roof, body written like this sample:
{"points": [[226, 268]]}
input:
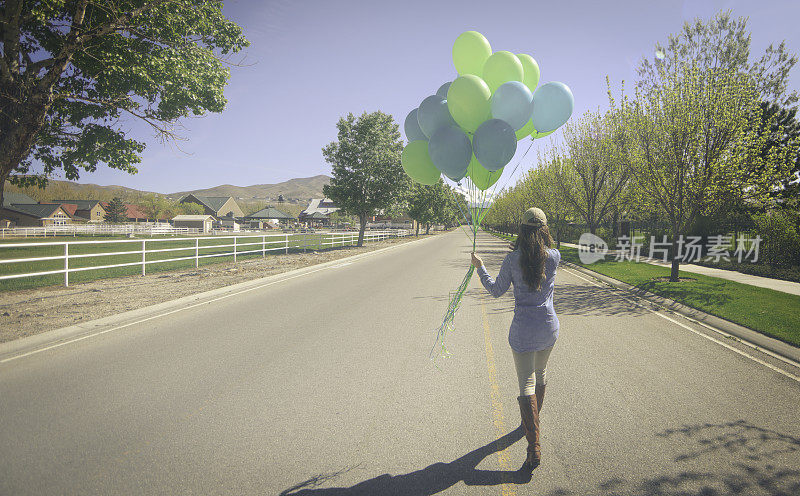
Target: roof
{"points": [[192, 217], [317, 215], [69, 208], [322, 205], [213, 202], [269, 213], [34, 210], [135, 212], [81, 204], [10, 198]]}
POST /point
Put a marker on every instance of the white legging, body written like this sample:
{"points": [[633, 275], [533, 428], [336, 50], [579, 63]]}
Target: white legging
{"points": [[531, 369]]}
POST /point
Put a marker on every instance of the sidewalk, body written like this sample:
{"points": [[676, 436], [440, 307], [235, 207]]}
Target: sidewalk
{"points": [[762, 282]]}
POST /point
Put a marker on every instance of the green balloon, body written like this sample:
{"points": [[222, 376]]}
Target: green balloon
{"points": [[536, 134], [531, 71], [469, 102], [526, 130], [482, 178], [470, 51], [502, 67], [417, 163]]}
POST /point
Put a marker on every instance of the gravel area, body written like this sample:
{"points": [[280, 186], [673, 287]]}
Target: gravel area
{"points": [[32, 311]]}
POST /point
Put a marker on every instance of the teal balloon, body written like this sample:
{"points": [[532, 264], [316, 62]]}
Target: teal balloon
{"points": [[494, 144], [411, 127], [552, 106], [513, 103], [450, 150], [433, 114], [442, 91]]}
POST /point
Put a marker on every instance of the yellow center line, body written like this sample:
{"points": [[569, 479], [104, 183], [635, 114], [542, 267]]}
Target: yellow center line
{"points": [[497, 406]]}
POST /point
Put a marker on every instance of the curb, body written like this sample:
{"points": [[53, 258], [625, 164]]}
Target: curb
{"points": [[13, 349], [755, 338]]}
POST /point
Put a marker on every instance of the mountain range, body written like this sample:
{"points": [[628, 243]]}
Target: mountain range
{"points": [[301, 188]]}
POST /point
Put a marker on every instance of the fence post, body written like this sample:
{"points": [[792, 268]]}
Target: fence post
{"points": [[234, 248], [66, 264], [287, 244], [144, 271], [264, 246], [196, 252]]}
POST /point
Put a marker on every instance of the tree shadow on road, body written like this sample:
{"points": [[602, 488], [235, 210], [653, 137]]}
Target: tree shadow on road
{"points": [[763, 461], [430, 480]]}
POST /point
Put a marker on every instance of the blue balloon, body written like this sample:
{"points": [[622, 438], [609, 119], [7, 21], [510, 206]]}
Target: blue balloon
{"points": [[411, 127], [450, 151], [442, 91], [494, 144], [552, 106], [433, 114], [513, 103]]}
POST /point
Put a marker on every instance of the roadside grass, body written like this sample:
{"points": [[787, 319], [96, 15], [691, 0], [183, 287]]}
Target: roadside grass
{"points": [[767, 311], [120, 253]]}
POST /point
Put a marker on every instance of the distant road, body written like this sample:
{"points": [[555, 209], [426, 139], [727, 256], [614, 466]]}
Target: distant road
{"points": [[321, 385]]}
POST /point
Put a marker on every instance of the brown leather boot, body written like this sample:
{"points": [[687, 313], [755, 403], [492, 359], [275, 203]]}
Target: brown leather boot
{"points": [[539, 396], [529, 411]]}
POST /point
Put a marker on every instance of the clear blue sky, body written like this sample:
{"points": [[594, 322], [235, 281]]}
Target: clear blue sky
{"points": [[314, 61]]}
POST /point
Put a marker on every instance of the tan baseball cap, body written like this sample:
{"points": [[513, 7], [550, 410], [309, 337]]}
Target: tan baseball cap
{"points": [[534, 217]]}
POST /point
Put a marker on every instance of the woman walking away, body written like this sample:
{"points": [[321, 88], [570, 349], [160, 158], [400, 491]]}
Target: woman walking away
{"points": [[531, 266]]}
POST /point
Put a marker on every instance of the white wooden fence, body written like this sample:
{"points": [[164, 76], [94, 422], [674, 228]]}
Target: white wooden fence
{"points": [[239, 245], [143, 228]]}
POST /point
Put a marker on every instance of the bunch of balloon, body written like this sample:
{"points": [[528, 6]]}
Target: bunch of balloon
{"points": [[468, 130]]}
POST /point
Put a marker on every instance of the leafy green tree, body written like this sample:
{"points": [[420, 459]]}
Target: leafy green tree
{"points": [[71, 69], [116, 210], [365, 161], [721, 43], [782, 132], [431, 204], [693, 140], [190, 208]]}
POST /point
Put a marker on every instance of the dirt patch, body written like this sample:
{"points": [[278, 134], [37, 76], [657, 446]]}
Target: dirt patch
{"points": [[32, 311], [680, 279]]}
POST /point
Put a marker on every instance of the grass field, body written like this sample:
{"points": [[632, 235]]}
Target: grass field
{"points": [[121, 250], [770, 312]]}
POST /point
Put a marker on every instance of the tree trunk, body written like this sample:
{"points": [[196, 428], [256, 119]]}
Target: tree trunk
{"points": [[2, 187], [362, 219], [427, 229], [673, 273], [417, 234], [558, 231], [21, 119]]}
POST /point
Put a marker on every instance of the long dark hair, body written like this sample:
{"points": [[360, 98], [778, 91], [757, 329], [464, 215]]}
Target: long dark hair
{"points": [[532, 243]]}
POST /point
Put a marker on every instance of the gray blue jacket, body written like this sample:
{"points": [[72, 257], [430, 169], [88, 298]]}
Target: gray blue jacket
{"points": [[535, 324]]}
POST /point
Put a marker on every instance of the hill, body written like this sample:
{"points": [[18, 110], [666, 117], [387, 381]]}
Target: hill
{"points": [[302, 188]]}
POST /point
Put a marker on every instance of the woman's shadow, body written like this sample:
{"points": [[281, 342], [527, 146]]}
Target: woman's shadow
{"points": [[429, 480]]}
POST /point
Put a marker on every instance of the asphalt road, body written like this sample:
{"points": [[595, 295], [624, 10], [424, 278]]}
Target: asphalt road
{"points": [[321, 385]]}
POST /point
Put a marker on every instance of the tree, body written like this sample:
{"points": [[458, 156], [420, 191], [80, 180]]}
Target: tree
{"points": [[365, 162], [116, 211], [71, 69], [722, 43], [190, 208], [280, 199], [693, 139], [592, 174], [782, 131], [430, 204]]}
